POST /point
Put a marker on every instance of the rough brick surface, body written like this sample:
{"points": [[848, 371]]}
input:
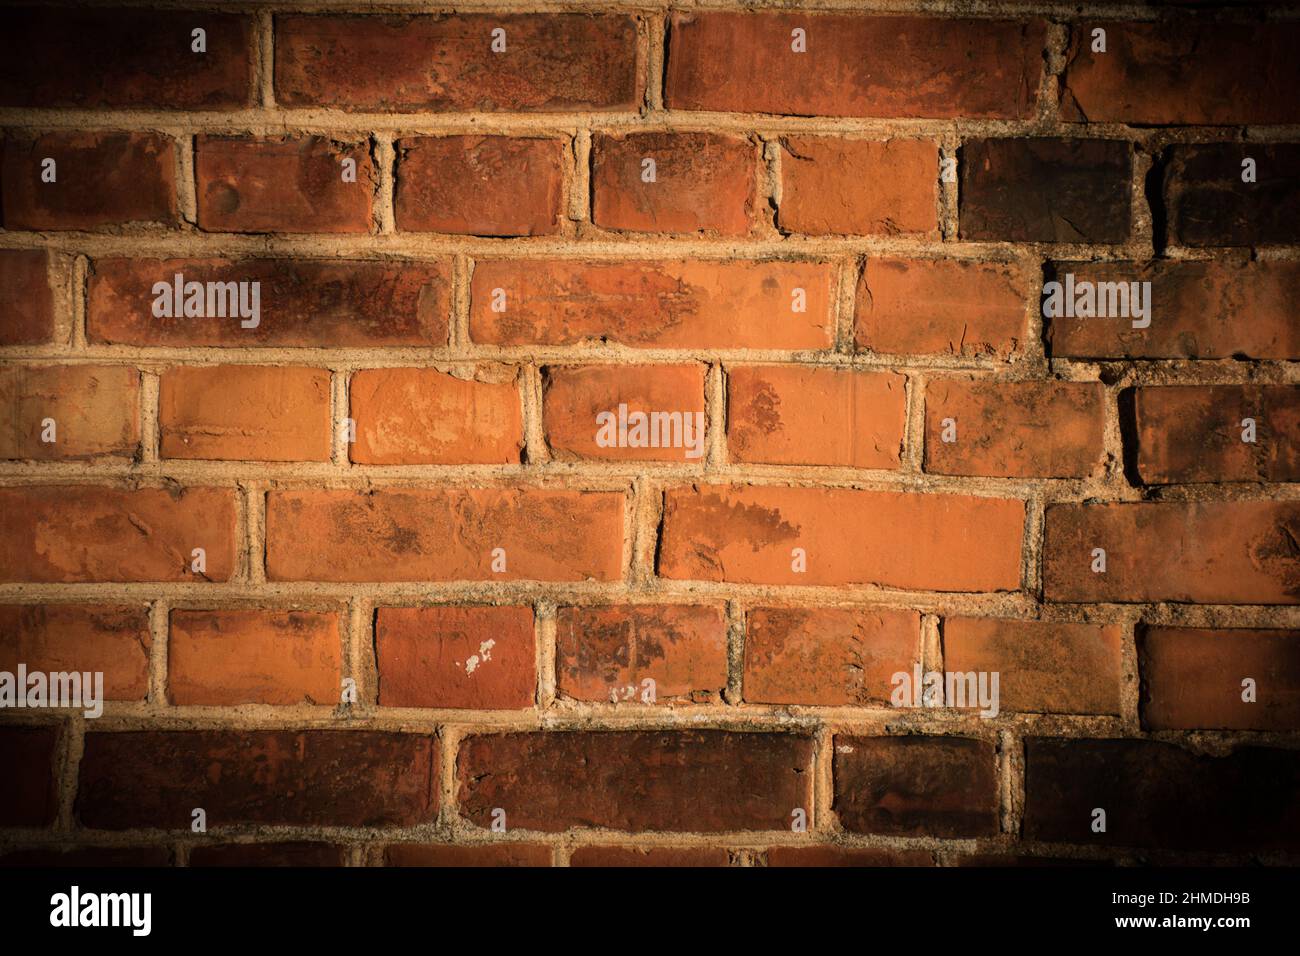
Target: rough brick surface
{"points": [[26, 299], [1208, 204], [27, 794], [69, 411], [65, 638]]}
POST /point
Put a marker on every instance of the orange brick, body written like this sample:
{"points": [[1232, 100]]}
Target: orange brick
{"points": [[94, 411], [605, 654], [225, 658], [721, 305], [245, 412], [858, 187], [793, 415], [1014, 429], [831, 656], [415, 416], [477, 658], [112, 640], [664, 416], [703, 182]]}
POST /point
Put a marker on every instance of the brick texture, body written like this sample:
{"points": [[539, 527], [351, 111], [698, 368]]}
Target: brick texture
{"points": [[621, 435]]}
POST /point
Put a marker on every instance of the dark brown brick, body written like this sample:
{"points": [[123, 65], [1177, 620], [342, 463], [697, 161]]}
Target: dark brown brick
{"points": [[1207, 204], [87, 856], [1045, 190], [625, 856], [483, 854], [916, 786], [27, 796], [26, 299], [269, 854], [843, 857]]}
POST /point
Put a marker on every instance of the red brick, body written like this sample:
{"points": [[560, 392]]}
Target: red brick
{"points": [[942, 307], [1200, 309], [831, 656], [102, 179], [1207, 552], [67, 533], [855, 65], [1044, 667], [423, 416], [1045, 190], [483, 854], [310, 303], [56, 638], [124, 57], [479, 658], [685, 781], [727, 305], [154, 779], [269, 854], [291, 183], [87, 856], [26, 299], [1192, 679], [604, 654], [1159, 795], [916, 786], [1207, 205], [575, 399], [245, 412], [445, 63], [625, 856], [1183, 72], [479, 185], [448, 534], [27, 796], [1194, 433], [94, 408], [227, 658], [859, 187], [793, 415], [703, 182], [1046, 429], [746, 535], [983, 860], [841, 856]]}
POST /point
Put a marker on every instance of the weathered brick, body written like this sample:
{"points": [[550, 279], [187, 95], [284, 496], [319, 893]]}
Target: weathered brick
{"points": [[855, 65], [67, 533], [245, 412], [1045, 190], [231, 657], [748, 535], [94, 410], [124, 57], [728, 305], [1207, 203], [1159, 795], [479, 185], [61, 638], [689, 781], [858, 187], [703, 182], [87, 856], [423, 416], [832, 656], [1183, 72], [624, 856], [1192, 679], [102, 179], [1199, 309], [841, 856], [941, 307], [916, 786], [26, 299], [581, 411], [296, 854], [1195, 433], [480, 658], [154, 779], [1227, 552], [792, 415], [309, 303], [483, 854], [1046, 429], [412, 534], [445, 63], [27, 795], [1044, 667], [606, 654]]}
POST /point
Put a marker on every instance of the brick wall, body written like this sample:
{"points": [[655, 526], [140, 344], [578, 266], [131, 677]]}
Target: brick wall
{"points": [[835, 262]]}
